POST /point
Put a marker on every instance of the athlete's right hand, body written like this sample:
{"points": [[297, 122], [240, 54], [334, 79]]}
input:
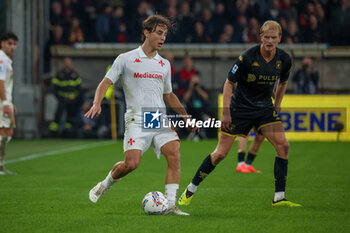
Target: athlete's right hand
{"points": [[226, 121], [95, 110], [7, 111]]}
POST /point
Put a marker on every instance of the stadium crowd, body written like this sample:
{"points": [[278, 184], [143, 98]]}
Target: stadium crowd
{"points": [[200, 21]]}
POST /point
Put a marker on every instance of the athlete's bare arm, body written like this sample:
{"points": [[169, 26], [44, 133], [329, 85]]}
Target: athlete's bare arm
{"points": [[280, 91], [99, 94], [173, 102], [226, 115]]}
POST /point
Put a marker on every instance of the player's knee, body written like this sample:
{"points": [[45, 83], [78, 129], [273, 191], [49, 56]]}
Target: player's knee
{"points": [[174, 159], [284, 148], [131, 165]]}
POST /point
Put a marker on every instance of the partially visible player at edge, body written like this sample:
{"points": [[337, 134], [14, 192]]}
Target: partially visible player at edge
{"points": [[7, 108], [245, 166], [146, 80], [255, 73]]}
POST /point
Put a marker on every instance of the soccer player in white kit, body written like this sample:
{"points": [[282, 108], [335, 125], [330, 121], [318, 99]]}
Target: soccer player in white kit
{"points": [[146, 80], [7, 109]]}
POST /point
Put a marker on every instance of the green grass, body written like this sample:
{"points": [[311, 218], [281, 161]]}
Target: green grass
{"points": [[50, 194]]}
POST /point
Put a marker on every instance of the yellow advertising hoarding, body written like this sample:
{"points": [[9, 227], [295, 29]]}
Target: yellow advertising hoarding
{"points": [[313, 117]]}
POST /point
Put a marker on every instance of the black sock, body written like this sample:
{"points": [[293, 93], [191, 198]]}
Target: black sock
{"points": [[250, 158], [241, 156], [203, 171], [280, 172]]}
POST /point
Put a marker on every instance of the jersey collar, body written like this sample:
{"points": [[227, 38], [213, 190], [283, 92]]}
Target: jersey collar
{"points": [[3, 54], [143, 55]]}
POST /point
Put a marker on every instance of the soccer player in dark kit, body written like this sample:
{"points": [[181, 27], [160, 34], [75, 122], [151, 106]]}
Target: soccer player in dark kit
{"points": [[247, 103]]}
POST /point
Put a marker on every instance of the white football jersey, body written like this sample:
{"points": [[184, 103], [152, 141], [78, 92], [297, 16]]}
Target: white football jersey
{"points": [[144, 79], [6, 74]]}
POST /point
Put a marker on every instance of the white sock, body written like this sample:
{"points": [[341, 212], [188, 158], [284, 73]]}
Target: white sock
{"points": [[239, 163], [247, 165], [171, 192], [109, 180], [192, 188], [278, 196]]}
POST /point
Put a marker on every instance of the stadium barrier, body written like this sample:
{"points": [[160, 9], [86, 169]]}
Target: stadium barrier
{"points": [[313, 117]]}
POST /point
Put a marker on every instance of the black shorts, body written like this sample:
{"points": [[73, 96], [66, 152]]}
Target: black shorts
{"points": [[243, 121]]}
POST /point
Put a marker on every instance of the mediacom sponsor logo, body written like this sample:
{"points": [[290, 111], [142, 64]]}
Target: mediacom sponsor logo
{"points": [[148, 75]]}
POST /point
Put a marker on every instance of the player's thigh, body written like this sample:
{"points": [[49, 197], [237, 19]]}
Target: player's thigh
{"points": [[166, 141], [6, 132], [275, 134]]}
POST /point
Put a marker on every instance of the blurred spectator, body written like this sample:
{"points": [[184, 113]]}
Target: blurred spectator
{"points": [[172, 14], [170, 57], [196, 98], [228, 35], [340, 23], [288, 10], [197, 105], [208, 25], [185, 23], [134, 26], [200, 5], [56, 38], [182, 78], [89, 126], [67, 10], [103, 23], [56, 16], [322, 22], [198, 36], [304, 16], [89, 20], [253, 35], [118, 26], [240, 27], [305, 78], [274, 12], [313, 34], [293, 33], [332, 16], [75, 32], [67, 89], [219, 19]]}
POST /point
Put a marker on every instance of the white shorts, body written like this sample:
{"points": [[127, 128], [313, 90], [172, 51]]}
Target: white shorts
{"points": [[136, 137], [7, 121]]}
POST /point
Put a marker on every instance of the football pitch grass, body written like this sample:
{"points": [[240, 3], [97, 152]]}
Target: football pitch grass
{"points": [[50, 191]]}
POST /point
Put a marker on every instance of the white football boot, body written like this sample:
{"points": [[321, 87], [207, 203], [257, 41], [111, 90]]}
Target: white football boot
{"points": [[97, 191], [175, 211]]}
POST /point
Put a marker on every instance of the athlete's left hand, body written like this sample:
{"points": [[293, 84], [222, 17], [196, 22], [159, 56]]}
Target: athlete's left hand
{"points": [[193, 129], [278, 108]]}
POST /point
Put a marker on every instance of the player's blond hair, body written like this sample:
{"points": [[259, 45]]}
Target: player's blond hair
{"points": [[270, 25]]}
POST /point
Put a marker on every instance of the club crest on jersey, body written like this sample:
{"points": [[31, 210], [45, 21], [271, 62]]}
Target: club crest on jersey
{"points": [[161, 63], [278, 64], [137, 60], [152, 119], [234, 69], [255, 63]]}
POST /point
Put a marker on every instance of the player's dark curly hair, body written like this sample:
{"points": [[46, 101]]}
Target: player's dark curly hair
{"points": [[8, 35], [151, 23]]}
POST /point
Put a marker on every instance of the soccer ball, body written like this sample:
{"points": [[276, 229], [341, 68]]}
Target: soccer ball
{"points": [[155, 203]]}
